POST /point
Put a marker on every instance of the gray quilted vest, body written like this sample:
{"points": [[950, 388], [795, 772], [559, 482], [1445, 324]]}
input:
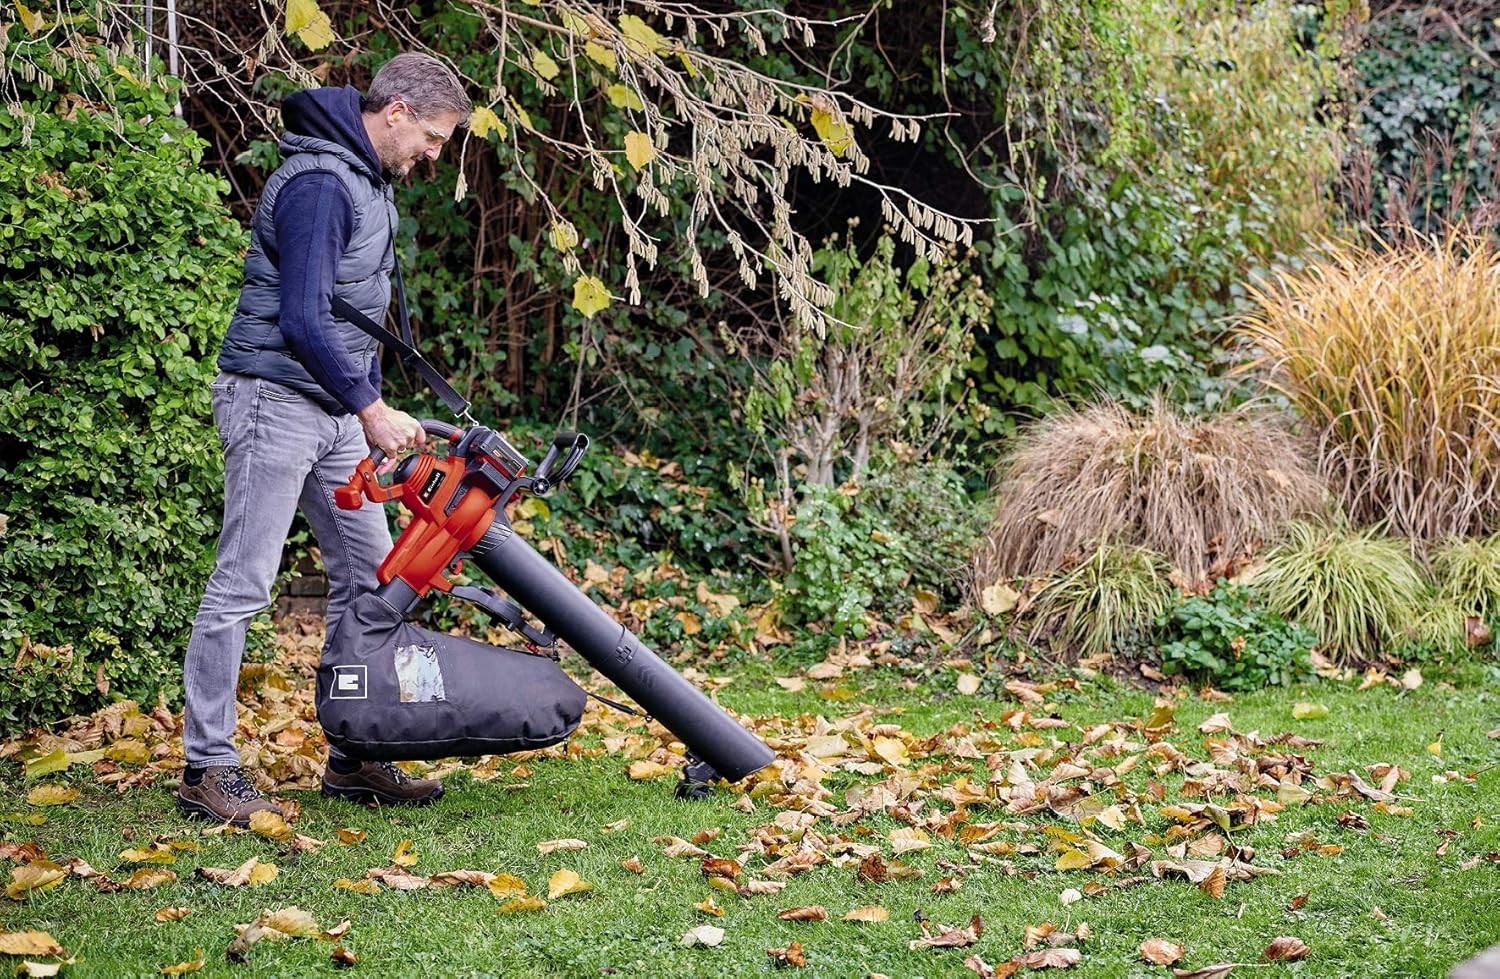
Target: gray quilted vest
{"points": [[254, 344]]}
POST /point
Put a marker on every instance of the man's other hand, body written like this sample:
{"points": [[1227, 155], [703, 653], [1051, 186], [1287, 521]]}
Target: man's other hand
{"points": [[390, 430]]}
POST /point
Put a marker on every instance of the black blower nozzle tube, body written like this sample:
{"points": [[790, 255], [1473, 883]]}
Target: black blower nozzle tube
{"points": [[530, 579]]}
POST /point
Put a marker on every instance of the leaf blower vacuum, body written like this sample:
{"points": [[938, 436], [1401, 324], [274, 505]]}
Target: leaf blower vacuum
{"points": [[390, 690]]}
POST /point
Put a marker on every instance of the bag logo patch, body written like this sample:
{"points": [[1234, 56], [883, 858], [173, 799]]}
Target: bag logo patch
{"points": [[350, 683], [418, 674]]}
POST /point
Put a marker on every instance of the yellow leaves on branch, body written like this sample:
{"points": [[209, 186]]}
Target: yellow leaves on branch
{"points": [[624, 97], [310, 23], [639, 149], [640, 39], [589, 295], [483, 121], [543, 65], [564, 235]]}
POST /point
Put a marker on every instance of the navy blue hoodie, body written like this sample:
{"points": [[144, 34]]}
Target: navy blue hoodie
{"points": [[314, 219]]}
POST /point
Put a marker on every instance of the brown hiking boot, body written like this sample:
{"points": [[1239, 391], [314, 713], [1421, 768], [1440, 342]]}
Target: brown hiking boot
{"points": [[225, 794], [382, 782]]}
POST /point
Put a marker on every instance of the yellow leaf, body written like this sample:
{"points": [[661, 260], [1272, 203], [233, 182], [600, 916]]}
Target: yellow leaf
{"points": [[624, 97], [601, 56], [589, 295], [1436, 748], [640, 39], [358, 886], [405, 855], [707, 906], [33, 22], [553, 846], [263, 873], [998, 599], [483, 120], [564, 238], [542, 64], [687, 64], [565, 882], [51, 795], [521, 116], [39, 876], [909, 838], [1113, 817], [523, 903], [130, 751], [183, 967], [506, 885], [833, 131], [639, 149], [310, 23], [29, 943], [691, 624], [291, 921], [155, 854], [891, 750], [1309, 712], [270, 825], [349, 837], [147, 878], [1073, 860], [172, 914], [52, 761], [872, 913]]}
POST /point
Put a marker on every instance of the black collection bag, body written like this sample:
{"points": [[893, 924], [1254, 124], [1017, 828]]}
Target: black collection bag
{"points": [[392, 691]]}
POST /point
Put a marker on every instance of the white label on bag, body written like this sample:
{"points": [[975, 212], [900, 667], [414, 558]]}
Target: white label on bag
{"points": [[349, 683]]}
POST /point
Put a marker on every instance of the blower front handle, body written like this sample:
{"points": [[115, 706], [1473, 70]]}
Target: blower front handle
{"points": [[575, 444]]}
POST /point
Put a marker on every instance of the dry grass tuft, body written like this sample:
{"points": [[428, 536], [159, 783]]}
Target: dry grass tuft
{"points": [[1392, 356], [1202, 492]]}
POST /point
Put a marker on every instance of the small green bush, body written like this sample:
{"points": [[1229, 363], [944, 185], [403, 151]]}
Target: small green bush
{"points": [[848, 561], [1227, 639], [1356, 590], [120, 265]]}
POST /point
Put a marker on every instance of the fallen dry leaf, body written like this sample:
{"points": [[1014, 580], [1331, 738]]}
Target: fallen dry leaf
{"points": [[909, 839], [342, 958], [39, 876], [1287, 949], [366, 886], [633, 865], [397, 878], [462, 878], [968, 684], [1052, 958], [182, 968], [252, 871], [707, 906], [702, 935], [814, 912], [871, 913], [505, 885], [555, 846], [791, 955], [1218, 971], [152, 854], [1213, 884], [270, 825], [564, 882], [752, 888], [29, 943], [950, 937], [145, 879], [172, 914], [51, 795], [405, 856], [349, 837], [338, 931], [526, 902], [1159, 951], [644, 770]]}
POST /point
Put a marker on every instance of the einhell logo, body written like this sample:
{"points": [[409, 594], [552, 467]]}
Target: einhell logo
{"points": [[349, 683]]}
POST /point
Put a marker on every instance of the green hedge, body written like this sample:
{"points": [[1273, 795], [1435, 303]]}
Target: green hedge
{"points": [[121, 265]]}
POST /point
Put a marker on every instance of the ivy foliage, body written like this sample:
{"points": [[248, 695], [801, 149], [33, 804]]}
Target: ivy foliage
{"points": [[121, 266]]}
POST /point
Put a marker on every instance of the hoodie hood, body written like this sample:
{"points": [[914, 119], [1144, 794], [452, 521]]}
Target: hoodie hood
{"points": [[332, 115]]}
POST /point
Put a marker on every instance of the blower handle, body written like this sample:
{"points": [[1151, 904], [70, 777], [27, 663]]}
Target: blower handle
{"points": [[365, 481], [432, 426], [575, 444]]}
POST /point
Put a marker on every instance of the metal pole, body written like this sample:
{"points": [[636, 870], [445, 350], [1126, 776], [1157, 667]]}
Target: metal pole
{"points": [[172, 49]]}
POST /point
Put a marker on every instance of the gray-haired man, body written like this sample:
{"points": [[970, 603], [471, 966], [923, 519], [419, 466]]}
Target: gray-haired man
{"points": [[298, 403]]}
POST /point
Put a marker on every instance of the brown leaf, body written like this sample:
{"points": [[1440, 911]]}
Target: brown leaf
{"points": [[633, 865], [676, 846], [505, 885], [873, 869], [342, 957], [950, 937], [718, 867], [172, 914], [461, 878], [706, 835], [1213, 884], [554, 846], [1159, 951], [1218, 971], [338, 931], [791, 955], [872, 913], [1297, 902], [246, 873], [815, 912], [397, 878], [1034, 935], [751, 888], [1000, 970], [38, 876], [183, 968], [1287, 949], [147, 878], [1052, 958], [565, 882]]}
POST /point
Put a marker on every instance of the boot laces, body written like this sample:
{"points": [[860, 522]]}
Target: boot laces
{"points": [[236, 786], [396, 774]]}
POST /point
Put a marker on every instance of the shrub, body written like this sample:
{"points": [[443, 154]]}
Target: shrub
{"points": [[1111, 600], [1461, 608], [1226, 638], [120, 267], [1391, 355], [1202, 492], [1355, 589]]}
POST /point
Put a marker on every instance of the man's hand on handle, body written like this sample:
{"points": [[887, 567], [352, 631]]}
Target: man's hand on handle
{"points": [[390, 430]]}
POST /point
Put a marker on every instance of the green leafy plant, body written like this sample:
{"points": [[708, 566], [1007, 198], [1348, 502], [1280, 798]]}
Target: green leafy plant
{"points": [[1110, 600], [120, 264], [1356, 590], [1460, 609], [1227, 639], [1201, 491]]}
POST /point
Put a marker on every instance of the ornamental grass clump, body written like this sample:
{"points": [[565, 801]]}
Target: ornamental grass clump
{"points": [[1357, 590], [1391, 355], [1111, 600], [1202, 492]]}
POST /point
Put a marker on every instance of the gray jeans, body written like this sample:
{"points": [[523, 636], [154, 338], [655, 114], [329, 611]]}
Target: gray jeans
{"points": [[281, 452]]}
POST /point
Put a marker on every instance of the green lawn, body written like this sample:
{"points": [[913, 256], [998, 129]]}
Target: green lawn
{"points": [[1432, 912]]}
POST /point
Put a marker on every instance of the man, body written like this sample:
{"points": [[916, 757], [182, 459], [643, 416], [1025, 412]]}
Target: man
{"points": [[298, 403]]}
